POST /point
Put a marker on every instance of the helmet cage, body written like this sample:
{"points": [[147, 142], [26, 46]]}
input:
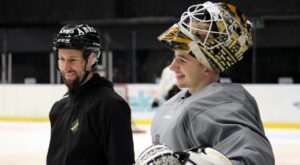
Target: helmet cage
{"points": [[209, 14]]}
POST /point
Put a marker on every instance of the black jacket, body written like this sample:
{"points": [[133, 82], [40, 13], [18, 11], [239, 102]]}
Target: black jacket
{"points": [[91, 125]]}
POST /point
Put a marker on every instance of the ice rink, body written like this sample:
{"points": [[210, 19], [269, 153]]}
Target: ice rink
{"points": [[26, 143]]}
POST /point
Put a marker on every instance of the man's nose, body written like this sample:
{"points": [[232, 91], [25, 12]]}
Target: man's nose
{"points": [[173, 65], [65, 65]]}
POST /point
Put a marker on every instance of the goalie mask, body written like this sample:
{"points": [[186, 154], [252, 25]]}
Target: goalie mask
{"points": [[217, 34]]}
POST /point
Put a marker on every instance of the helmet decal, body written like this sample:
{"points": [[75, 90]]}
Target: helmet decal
{"points": [[81, 37], [175, 39]]}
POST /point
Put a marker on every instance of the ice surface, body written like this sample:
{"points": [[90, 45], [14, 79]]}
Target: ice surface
{"points": [[26, 143]]}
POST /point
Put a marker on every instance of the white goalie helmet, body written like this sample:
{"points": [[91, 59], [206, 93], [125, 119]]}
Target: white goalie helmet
{"points": [[163, 155], [217, 34]]}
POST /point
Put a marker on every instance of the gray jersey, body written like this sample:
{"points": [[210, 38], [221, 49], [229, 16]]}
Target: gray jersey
{"points": [[222, 116]]}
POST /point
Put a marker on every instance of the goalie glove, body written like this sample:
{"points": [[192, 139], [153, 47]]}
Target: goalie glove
{"points": [[202, 156]]}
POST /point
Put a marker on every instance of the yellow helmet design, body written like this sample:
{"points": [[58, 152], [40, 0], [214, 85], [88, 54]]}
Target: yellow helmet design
{"points": [[216, 33]]}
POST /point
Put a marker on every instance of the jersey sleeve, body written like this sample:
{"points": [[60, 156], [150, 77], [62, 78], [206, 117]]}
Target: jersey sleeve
{"points": [[233, 130]]}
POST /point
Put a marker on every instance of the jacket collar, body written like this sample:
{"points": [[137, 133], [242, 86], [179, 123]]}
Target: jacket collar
{"points": [[95, 81]]}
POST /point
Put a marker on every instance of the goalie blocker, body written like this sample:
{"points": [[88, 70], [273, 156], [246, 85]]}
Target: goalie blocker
{"points": [[163, 155]]}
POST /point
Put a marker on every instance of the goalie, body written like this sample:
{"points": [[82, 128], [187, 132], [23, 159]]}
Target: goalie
{"points": [[208, 39]]}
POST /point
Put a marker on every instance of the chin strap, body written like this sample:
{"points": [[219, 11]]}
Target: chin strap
{"points": [[86, 74], [86, 54], [84, 77]]}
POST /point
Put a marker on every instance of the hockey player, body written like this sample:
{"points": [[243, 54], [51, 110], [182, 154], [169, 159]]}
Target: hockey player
{"points": [[208, 39], [91, 124]]}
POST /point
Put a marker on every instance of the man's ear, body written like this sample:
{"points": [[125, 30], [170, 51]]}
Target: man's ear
{"points": [[91, 60], [211, 74], [208, 71]]}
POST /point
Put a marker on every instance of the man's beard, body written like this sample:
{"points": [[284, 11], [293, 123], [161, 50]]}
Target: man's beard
{"points": [[71, 83]]}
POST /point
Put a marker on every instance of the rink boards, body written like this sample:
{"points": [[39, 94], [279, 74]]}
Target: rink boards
{"points": [[279, 104]]}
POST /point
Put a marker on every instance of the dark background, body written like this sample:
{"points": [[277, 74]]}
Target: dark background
{"points": [[129, 29]]}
